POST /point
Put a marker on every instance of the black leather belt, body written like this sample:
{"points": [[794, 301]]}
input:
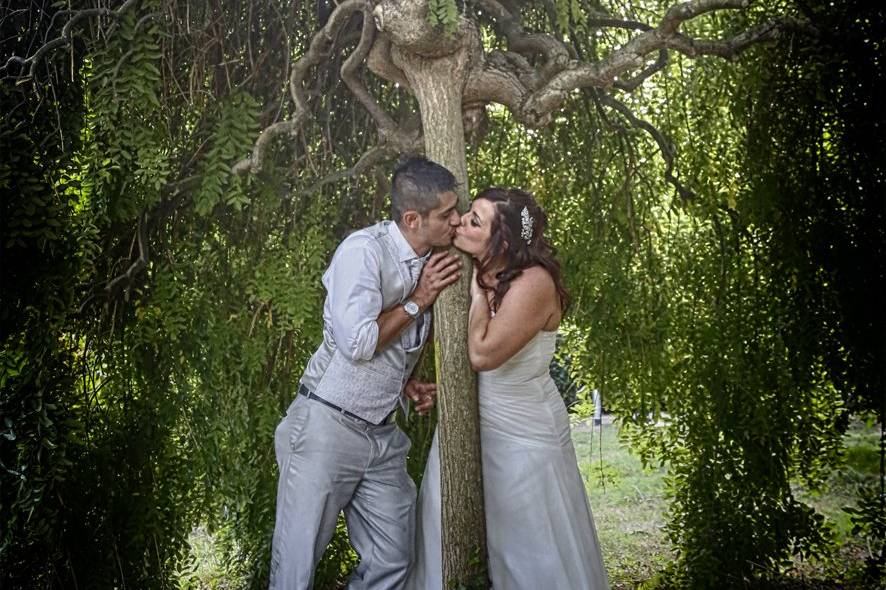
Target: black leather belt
{"points": [[302, 390]]}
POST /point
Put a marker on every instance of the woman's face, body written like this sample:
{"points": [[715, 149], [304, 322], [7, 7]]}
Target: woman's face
{"points": [[472, 236]]}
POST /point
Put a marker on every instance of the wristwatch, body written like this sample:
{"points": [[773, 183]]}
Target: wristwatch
{"points": [[411, 308]]}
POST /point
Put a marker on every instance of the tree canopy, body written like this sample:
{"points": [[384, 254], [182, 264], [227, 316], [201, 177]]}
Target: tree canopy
{"points": [[175, 176]]}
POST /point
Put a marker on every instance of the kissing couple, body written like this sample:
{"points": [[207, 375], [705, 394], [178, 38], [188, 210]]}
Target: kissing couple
{"points": [[339, 448]]}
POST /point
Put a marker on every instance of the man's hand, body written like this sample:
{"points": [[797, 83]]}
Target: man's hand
{"points": [[421, 394], [439, 272]]}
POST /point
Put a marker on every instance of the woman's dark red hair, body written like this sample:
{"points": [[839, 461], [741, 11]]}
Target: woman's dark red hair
{"points": [[508, 246]]}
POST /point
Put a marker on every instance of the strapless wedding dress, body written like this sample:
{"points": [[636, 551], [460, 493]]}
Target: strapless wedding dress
{"points": [[539, 527]]}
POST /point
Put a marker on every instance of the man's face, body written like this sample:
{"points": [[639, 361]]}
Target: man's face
{"points": [[438, 226]]}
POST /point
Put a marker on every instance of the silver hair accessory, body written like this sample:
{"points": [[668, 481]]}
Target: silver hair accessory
{"points": [[526, 221]]}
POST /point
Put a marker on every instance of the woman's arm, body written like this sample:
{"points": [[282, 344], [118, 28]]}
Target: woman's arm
{"points": [[529, 305]]}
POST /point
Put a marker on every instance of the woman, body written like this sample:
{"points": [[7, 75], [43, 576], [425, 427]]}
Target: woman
{"points": [[539, 528]]}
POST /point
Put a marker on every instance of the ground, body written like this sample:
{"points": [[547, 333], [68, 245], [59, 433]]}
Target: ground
{"points": [[629, 507]]}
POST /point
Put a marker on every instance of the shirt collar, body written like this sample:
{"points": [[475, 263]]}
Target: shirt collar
{"points": [[404, 250]]}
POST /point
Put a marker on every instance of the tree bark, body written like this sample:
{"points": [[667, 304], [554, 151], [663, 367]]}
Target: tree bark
{"points": [[438, 84]]}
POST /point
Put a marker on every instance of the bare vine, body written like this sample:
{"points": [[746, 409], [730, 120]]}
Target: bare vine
{"points": [[391, 135], [138, 264]]}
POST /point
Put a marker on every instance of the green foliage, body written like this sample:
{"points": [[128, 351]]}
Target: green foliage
{"points": [[443, 14], [134, 395], [569, 12], [157, 310], [560, 370], [869, 522], [828, 224], [39, 269], [125, 148], [233, 136], [479, 578]]}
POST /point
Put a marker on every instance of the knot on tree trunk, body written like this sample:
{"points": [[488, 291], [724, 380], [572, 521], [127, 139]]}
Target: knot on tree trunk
{"points": [[405, 24]]}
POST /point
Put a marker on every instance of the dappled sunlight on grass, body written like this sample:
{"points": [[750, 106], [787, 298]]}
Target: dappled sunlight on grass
{"points": [[629, 506], [861, 466]]}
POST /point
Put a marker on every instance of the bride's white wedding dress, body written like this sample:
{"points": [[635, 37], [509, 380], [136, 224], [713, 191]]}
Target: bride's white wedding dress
{"points": [[539, 528]]}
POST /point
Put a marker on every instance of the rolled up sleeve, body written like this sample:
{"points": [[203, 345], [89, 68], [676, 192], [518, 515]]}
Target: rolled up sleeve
{"points": [[354, 290]]}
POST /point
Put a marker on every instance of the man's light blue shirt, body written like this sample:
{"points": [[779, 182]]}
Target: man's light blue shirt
{"points": [[368, 275]]}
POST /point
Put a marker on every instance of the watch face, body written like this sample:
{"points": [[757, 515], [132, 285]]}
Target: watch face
{"points": [[411, 308]]}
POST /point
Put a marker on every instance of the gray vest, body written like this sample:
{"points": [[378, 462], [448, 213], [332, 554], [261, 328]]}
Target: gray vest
{"points": [[371, 389]]}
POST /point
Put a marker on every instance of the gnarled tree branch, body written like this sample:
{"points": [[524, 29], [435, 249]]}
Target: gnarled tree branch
{"points": [[633, 54], [391, 135], [532, 91], [555, 52], [64, 39], [317, 52]]}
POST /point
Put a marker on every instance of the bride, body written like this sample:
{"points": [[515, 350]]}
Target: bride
{"points": [[539, 528]]}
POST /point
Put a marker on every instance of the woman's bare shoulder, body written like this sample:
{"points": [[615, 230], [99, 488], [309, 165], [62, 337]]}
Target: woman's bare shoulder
{"points": [[535, 283], [534, 277]]}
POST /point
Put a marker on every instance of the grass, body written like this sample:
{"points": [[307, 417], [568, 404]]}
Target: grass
{"points": [[861, 466], [629, 507], [628, 504]]}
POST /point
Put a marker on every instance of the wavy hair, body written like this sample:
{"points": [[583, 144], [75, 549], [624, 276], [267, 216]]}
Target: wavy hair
{"points": [[508, 246]]}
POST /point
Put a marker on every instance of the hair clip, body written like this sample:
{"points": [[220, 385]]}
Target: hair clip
{"points": [[526, 221]]}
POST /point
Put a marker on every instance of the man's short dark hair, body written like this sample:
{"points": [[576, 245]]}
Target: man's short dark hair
{"points": [[417, 184]]}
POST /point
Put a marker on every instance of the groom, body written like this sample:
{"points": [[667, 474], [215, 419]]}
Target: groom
{"points": [[338, 448]]}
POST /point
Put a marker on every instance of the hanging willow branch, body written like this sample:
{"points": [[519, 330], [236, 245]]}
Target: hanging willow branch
{"points": [[532, 77], [668, 152]]}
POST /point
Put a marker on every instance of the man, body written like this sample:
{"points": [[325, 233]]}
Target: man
{"points": [[338, 448]]}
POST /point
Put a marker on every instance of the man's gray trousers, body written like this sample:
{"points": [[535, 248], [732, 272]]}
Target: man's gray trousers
{"points": [[331, 463]]}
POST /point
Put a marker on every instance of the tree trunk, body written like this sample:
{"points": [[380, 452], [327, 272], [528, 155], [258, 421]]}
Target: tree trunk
{"points": [[438, 83]]}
